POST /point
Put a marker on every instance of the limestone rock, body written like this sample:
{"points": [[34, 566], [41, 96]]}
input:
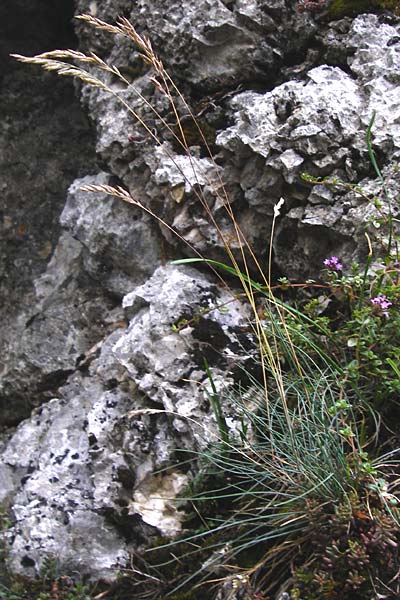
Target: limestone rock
{"points": [[102, 454], [318, 126], [121, 246], [210, 44], [45, 143], [160, 360], [108, 248], [51, 338]]}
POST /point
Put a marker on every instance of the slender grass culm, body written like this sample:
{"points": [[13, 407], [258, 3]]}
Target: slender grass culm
{"points": [[303, 503]]}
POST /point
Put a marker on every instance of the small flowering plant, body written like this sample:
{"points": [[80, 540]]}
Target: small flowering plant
{"points": [[363, 318]]}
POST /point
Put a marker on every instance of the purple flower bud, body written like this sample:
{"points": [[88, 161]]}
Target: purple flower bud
{"points": [[333, 263], [381, 304]]}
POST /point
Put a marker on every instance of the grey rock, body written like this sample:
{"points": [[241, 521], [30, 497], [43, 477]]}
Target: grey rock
{"points": [[39, 114], [318, 126], [120, 244], [211, 45], [98, 452], [53, 506], [51, 338], [314, 124], [168, 367], [108, 248]]}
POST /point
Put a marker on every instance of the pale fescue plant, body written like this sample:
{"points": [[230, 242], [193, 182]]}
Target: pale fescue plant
{"points": [[271, 489], [298, 428]]}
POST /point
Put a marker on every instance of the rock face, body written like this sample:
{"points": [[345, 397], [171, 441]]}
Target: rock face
{"points": [[39, 114], [104, 382], [101, 458], [317, 126]]}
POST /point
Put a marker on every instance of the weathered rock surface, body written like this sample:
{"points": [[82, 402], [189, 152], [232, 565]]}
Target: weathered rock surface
{"points": [[45, 143], [104, 378], [39, 113], [318, 126], [106, 450], [108, 248], [315, 122], [211, 45]]}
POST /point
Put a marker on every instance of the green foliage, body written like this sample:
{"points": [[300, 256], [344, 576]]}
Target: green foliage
{"points": [[358, 307], [216, 406], [350, 548], [304, 486], [341, 8], [296, 489], [364, 336], [50, 585], [62, 588]]}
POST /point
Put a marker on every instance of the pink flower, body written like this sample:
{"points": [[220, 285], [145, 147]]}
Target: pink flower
{"points": [[333, 263], [381, 304]]}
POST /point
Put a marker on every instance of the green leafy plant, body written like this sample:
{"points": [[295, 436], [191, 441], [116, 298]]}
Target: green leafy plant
{"points": [[342, 8], [337, 9], [60, 588]]}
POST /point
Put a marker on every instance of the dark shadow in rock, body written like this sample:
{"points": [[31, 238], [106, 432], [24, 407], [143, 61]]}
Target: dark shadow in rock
{"points": [[45, 143]]}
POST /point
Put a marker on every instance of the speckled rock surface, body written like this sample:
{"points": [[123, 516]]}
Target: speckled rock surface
{"points": [[94, 470], [317, 125], [313, 118], [210, 44]]}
